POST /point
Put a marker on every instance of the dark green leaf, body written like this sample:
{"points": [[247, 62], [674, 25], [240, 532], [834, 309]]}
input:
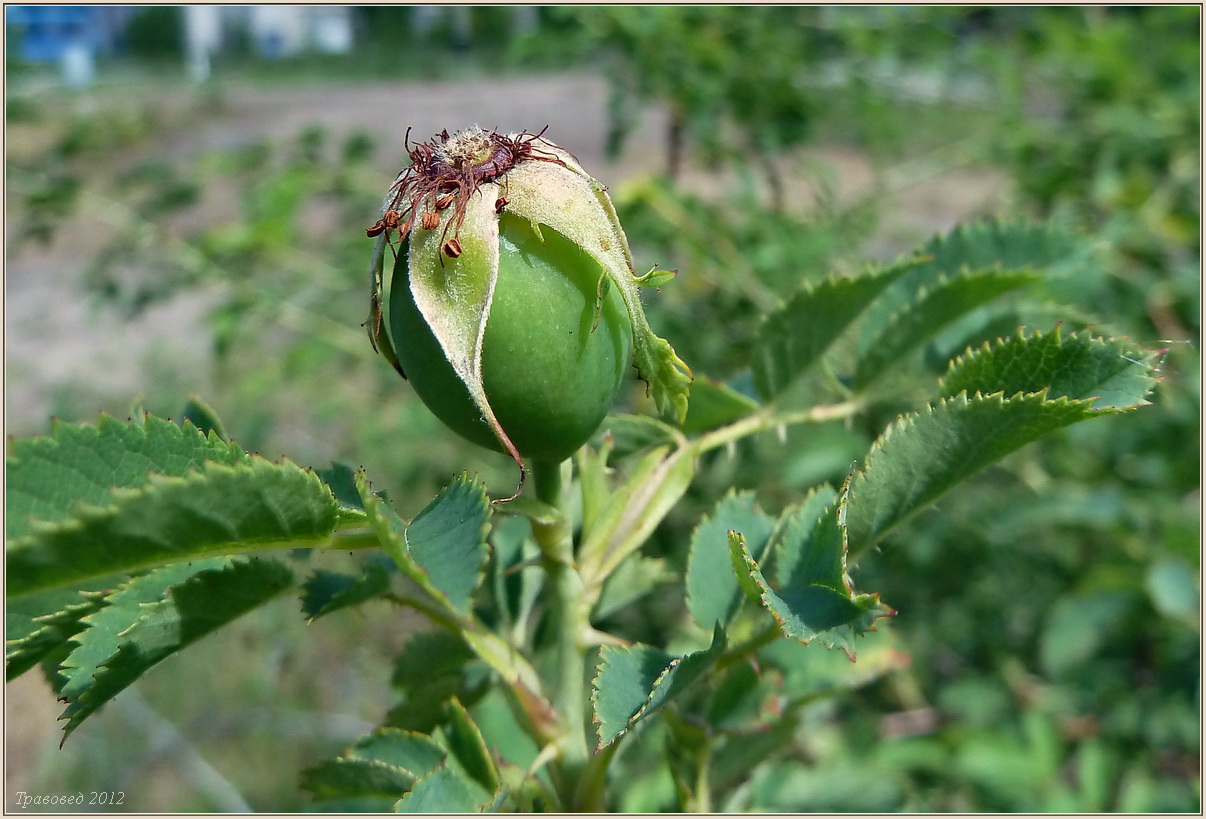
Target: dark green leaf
{"points": [[342, 778], [341, 480], [1115, 373], [408, 750], [467, 746], [995, 244], [635, 681], [325, 592], [792, 339], [192, 609], [202, 416], [447, 540], [48, 478], [934, 307], [713, 594], [922, 456], [31, 638], [443, 791], [797, 555], [434, 666], [444, 548], [214, 510], [823, 607]]}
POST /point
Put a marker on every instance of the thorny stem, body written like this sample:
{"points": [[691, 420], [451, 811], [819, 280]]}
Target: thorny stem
{"points": [[571, 614]]}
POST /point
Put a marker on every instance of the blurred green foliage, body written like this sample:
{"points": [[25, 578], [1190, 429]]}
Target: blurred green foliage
{"points": [[1050, 608]]}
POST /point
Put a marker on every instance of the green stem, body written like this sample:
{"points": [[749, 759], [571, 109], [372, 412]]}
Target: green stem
{"points": [[768, 418], [571, 614]]}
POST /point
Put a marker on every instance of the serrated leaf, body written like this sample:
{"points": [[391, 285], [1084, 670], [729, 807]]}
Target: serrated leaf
{"points": [[713, 592], [28, 639], [935, 307], [792, 544], [444, 548], [635, 681], [123, 608], [341, 480], [468, 747], [350, 777], [47, 478], [793, 338], [820, 610], [325, 592], [978, 246], [408, 750], [442, 791], [1115, 373], [983, 245], [202, 416], [432, 667], [447, 540], [714, 404], [215, 510], [922, 456], [194, 608]]}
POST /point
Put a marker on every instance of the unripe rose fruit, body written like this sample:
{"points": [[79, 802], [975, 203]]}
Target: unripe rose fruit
{"points": [[513, 305], [549, 378]]}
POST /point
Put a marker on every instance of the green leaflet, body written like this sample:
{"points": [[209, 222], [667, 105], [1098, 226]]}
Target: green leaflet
{"points": [[47, 478], [815, 600], [921, 456], [443, 551], [713, 596], [202, 416], [254, 505], [447, 540], [797, 556], [443, 791], [793, 338], [444, 548], [355, 777], [467, 746], [980, 246], [325, 592], [103, 630], [406, 749], [37, 625], [386, 763], [190, 610], [635, 681], [934, 308], [1115, 373]]}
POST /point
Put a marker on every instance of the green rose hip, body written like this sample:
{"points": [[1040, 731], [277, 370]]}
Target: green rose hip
{"points": [[513, 303], [550, 378]]}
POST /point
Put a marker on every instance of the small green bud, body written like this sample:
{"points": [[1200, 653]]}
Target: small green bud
{"points": [[513, 305]]}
